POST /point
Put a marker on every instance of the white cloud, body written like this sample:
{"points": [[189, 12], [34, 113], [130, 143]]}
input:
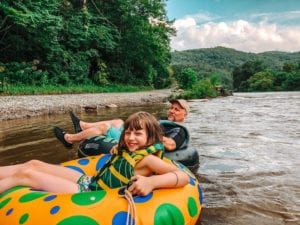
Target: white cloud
{"points": [[241, 35], [186, 23]]}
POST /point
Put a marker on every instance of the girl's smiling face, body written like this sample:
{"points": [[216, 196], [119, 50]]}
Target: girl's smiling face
{"points": [[135, 139], [141, 130]]}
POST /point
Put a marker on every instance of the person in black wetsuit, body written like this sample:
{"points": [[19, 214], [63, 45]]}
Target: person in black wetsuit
{"points": [[175, 134]]}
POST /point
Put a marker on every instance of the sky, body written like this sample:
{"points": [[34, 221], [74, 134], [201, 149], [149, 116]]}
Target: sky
{"points": [[245, 25]]}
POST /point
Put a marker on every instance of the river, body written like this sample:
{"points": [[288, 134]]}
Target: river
{"points": [[248, 143]]}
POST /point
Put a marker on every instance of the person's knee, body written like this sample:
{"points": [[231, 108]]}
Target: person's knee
{"points": [[24, 174], [101, 129], [118, 123], [32, 164]]}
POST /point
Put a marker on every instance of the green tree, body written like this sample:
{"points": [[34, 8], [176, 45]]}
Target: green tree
{"points": [[261, 81], [143, 52], [289, 67], [187, 78], [279, 78], [201, 89], [242, 73], [63, 38], [292, 82]]}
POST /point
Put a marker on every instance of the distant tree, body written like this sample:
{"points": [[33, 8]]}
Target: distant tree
{"points": [[289, 67], [242, 73], [201, 89], [292, 82], [261, 81], [289, 79], [216, 78], [187, 78], [279, 78]]}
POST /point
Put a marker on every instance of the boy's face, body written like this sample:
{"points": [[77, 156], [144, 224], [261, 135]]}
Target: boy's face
{"points": [[135, 139], [176, 113]]}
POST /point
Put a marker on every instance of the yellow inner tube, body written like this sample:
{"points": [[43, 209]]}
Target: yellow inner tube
{"points": [[176, 206]]}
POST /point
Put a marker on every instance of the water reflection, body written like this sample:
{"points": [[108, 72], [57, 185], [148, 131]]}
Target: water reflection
{"points": [[25, 139]]}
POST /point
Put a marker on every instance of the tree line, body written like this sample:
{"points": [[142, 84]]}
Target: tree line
{"points": [[100, 43], [238, 71], [77, 42], [256, 76]]}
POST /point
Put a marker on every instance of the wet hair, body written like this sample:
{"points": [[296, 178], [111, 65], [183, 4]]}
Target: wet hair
{"points": [[142, 120]]}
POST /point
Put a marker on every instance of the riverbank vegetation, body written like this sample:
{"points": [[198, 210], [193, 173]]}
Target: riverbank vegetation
{"points": [[78, 46], [77, 42], [51, 89]]}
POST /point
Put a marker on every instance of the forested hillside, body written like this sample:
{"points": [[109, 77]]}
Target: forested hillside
{"points": [[226, 58], [224, 63]]}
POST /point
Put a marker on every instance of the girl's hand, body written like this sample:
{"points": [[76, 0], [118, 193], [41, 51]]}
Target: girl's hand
{"points": [[111, 151], [141, 185]]}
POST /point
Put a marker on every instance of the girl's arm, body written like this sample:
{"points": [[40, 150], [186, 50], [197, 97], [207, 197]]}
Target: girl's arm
{"points": [[168, 176]]}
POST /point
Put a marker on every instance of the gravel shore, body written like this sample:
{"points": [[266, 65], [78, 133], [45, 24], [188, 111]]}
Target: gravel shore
{"points": [[14, 107]]}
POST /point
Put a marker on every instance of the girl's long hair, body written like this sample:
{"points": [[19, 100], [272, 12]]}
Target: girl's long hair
{"points": [[142, 120]]}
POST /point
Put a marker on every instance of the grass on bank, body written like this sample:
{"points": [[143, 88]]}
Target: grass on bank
{"points": [[51, 89]]}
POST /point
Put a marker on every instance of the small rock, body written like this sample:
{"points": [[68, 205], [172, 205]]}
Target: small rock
{"points": [[111, 106], [89, 108]]}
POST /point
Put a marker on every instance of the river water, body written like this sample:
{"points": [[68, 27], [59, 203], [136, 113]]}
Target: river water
{"points": [[248, 143]]}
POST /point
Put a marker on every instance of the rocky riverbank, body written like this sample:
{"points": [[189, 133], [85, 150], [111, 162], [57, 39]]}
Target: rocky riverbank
{"points": [[14, 107]]}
